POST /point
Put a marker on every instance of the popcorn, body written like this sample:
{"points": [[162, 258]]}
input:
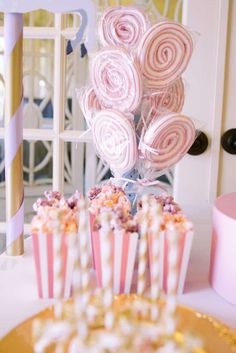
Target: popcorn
{"points": [[56, 200], [108, 196], [121, 221], [167, 203]]}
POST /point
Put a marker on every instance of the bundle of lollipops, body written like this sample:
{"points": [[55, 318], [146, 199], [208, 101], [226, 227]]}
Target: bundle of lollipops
{"points": [[133, 105]]}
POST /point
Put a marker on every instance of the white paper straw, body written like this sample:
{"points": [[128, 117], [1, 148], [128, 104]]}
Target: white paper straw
{"points": [[143, 246], [57, 263], [106, 235], [171, 298], [76, 282], [84, 259], [156, 218]]}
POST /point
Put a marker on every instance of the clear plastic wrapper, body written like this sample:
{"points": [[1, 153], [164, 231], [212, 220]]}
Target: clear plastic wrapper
{"points": [[169, 98], [164, 53], [116, 79], [88, 102], [166, 140], [115, 140], [160, 145], [134, 104], [123, 26], [157, 102]]}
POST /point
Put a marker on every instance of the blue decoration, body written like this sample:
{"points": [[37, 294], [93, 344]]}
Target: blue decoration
{"points": [[130, 188], [72, 44]]}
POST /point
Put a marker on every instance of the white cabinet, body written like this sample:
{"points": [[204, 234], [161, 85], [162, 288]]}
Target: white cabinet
{"points": [[227, 164], [211, 78]]}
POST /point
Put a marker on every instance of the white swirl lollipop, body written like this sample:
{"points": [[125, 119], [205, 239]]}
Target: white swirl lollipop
{"points": [[167, 140], [164, 53], [122, 26], [115, 140], [88, 102], [116, 79]]}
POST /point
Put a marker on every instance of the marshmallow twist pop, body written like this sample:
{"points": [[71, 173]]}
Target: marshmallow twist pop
{"points": [[167, 140], [88, 103], [122, 26], [164, 53], [115, 140], [116, 79], [167, 99], [170, 98]]}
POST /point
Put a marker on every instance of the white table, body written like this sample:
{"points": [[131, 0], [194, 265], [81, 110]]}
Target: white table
{"points": [[18, 295]]}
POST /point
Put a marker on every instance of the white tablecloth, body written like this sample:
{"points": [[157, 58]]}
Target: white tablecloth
{"points": [[18, 292]]}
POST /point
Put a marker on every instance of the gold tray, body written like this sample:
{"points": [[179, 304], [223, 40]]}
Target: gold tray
{"points": [[217, 337]]}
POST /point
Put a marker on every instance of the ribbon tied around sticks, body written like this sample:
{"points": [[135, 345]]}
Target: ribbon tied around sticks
{"points": [[140, 184]]}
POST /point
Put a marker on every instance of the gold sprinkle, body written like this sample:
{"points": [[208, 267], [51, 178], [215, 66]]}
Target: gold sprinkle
{"points": [[199, 350], [179, 338]]}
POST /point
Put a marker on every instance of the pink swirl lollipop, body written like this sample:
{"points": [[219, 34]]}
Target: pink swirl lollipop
{"points": [[164, 53], [89, 103], [122, 26], [170, 98], [167, 140], [167, 99], [115, 140], [116, 79]]}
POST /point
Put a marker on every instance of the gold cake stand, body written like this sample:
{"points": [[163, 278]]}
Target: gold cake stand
{"points": [[216, 337]]}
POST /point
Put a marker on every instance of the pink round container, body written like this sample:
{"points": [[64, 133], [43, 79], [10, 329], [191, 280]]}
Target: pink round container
{"points": [[223, 250]]}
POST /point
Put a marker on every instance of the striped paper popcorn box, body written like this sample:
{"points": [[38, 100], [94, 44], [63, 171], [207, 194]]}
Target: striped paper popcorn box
{"points": [[184, 249], [44, 258], [124, 248]]}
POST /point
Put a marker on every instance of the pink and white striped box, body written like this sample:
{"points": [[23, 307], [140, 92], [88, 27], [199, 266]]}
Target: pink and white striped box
{"points": [[184, 250], [124, 248], [223, 248], [44, 264], [92, 219]]}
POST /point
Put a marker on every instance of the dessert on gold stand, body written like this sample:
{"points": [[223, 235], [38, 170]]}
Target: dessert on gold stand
{"points": [[100, 322]]}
